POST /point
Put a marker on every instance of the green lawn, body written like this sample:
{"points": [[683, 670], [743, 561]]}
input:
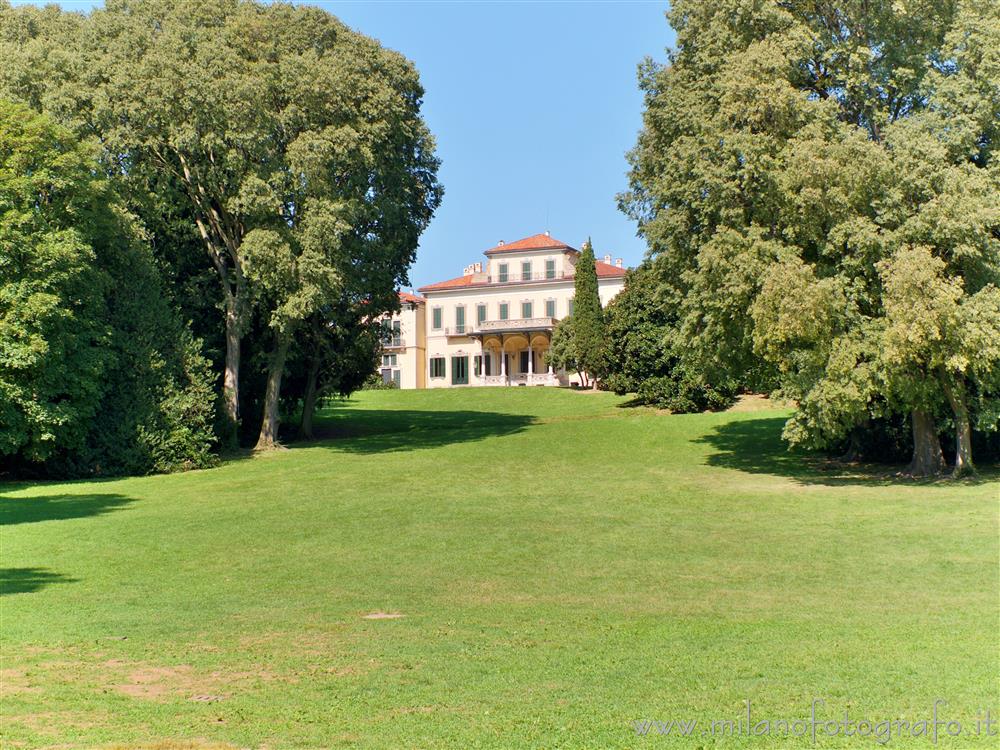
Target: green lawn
{"points": [[563, 568]]}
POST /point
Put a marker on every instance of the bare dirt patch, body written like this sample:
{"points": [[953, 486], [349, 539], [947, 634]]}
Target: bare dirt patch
{"points": [[383, 616], [153, 683], [55, 723], [13, 681], [758, 402]]}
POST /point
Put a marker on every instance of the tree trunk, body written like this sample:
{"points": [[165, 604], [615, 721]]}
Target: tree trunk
{"points": [[231, 379], [927, 458], [269, 426], [852, 453], [309, 401], [955, 391]]}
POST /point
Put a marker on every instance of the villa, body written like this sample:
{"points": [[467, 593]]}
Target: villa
{"points": [[493, 324]]}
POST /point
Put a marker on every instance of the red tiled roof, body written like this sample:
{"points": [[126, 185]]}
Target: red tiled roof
{"points": [[534, 242], [607, 271], [450, 284], [407, 297], [604, 271]]}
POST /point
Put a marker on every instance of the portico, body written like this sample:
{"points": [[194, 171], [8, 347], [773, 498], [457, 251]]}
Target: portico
{"points": [[513, 351]]}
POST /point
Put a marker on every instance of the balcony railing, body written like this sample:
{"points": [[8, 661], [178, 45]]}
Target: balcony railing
{"points": [[457, 330], [515, 324], [394, 343], [538, 378]]}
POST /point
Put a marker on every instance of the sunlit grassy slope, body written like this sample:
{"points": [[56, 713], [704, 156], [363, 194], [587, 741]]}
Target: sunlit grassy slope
{"points": [[562, 568]]}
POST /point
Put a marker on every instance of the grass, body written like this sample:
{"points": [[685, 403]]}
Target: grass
{"points": [[563, 567]]}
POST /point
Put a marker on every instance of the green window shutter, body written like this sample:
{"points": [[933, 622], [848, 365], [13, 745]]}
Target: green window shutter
{"points": [[481, 313], [459, 370], [526, 309], [502, 272], [436, 319], [396, 377], [571, 307], [550, 308], [460, 319], [550, 269], [526, 271], [503, 310]]}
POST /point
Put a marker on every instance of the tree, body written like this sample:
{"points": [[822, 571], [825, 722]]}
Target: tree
{"points": [[98, 374], [561, 354], [641, 351], [589, 333], [294, 145], [337, 350], [52, 331], [793, 160]]}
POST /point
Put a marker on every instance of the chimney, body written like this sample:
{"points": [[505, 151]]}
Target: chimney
{"points": [[500, 243], [618, 262], [479, 267], [547, 233], [607, 259]]}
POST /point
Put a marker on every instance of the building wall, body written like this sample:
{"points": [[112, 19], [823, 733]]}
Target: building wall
{"points": [[442, 343], [410, 358]]}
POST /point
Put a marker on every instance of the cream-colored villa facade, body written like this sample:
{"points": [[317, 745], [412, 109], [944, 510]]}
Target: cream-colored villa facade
{"points": [[493, 324]]}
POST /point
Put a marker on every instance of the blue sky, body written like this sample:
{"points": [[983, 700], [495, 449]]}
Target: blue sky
{"points": [[533, 105]]}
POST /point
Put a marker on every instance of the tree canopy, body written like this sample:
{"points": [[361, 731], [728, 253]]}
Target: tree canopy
{"points": [[97, 373], [819, 190], [589, 334], [292, 146]]}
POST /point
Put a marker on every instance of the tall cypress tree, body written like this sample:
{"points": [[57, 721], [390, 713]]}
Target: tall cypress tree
{"points": [[588, 318]]}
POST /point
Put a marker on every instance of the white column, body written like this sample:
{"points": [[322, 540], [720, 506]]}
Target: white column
{"points": [[503, 363], [531, 362], [482, 362]]}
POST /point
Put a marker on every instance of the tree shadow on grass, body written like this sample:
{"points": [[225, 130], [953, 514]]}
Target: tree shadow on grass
{"points": [[387, 430], [14, 510], [756, 447], [27, 580]]}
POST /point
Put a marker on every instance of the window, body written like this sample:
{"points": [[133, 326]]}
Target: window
{"points": [[526, 309], [437, 367], [571, 306], [459, 370], [397, 330], [502, 272], [460, 319], [550, 308], [386, 332], [526, 270], [396, 378], [550, 269], [481, 313], [504, 309], [477, 366], [524, 361], [436, 319], [388, 360]]}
